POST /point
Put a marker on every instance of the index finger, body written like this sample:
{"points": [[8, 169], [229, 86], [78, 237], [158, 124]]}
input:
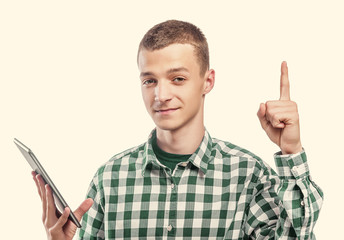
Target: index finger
{"points": [[284, 85]]}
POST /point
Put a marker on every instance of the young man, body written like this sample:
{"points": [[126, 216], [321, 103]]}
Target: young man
{"points": [[182, 183]]}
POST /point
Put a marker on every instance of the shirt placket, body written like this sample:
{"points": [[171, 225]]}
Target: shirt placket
{"points": [[173, 181]]}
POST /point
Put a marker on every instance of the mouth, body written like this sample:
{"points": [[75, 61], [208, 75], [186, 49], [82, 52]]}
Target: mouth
{"points": [[166, 111]]}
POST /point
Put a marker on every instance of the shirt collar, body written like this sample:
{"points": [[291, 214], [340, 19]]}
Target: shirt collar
{"points": [[200, 158]]}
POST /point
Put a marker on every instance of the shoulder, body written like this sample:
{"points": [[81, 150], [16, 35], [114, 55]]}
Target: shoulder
{"points": [[233, 150], [239, 155], [131, 155], [109, 171]]}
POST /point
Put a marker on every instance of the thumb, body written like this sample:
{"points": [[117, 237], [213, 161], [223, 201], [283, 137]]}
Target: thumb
{"points": [[261, 115], [83, 208]]}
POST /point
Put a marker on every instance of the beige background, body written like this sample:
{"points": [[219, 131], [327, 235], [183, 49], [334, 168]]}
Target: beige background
{"points": [[69, 89]]}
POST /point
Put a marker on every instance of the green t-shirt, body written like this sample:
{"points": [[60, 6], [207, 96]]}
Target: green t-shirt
{"points": [[170, 160]]}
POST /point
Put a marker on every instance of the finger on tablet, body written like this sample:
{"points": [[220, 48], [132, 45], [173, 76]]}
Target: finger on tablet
{"points": [[63, 218], [37, 184], [51, 208], [43, 195]]}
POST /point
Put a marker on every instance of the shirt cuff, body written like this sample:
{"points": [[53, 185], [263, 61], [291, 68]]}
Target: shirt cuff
{"points": [[292, 165]]}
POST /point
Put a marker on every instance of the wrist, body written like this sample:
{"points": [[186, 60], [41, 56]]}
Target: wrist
{"points": [[292, 149]]}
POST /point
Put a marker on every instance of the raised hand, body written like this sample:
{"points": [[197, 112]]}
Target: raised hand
{"points": [[280, 118], [57, 226]]}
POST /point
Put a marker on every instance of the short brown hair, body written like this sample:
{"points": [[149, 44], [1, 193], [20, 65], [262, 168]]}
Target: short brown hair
{"points": [[174, 31]]}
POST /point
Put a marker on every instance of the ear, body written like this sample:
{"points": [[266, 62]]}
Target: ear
{"points": [[209, 81]]}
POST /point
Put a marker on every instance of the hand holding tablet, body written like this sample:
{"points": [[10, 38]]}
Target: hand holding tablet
{"points": [[59, 221]]}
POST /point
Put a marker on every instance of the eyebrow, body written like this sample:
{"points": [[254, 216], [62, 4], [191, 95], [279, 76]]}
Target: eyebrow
{"points": [[181, 69], [172, 70]]}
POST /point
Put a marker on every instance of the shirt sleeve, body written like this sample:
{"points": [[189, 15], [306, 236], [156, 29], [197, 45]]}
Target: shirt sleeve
{"points": [[287, 205], [301, 198], [92, 226]]}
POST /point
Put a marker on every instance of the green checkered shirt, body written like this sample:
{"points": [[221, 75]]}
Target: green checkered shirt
{"points": [[221, 192]]}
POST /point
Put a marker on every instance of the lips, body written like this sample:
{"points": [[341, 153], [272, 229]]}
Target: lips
{"points": [[166, 110]]}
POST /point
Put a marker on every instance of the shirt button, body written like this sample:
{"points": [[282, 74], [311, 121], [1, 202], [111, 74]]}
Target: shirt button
{"points": [[302, 203], [169, 228], [184, 164], [172, 185]]}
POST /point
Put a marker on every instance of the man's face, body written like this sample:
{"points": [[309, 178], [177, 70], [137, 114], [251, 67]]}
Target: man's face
{"points": [[172, 87]]}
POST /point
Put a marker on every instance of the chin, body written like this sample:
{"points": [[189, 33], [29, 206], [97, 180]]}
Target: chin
{"points": [[167, 126]]}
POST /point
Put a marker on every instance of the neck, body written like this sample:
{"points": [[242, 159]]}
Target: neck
{"points": [[184, 140]]}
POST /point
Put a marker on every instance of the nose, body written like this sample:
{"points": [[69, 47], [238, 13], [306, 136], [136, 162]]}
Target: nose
{"points": [[162, 92]]}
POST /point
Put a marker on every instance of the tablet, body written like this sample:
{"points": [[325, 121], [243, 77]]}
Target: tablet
{"points": [[37, 167]]}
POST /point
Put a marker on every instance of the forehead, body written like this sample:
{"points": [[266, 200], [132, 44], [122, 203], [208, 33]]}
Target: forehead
{"points": [[172, 56]]}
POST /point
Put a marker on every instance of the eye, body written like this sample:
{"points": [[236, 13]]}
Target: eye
{"points": [[148, 82], [178, 79]]}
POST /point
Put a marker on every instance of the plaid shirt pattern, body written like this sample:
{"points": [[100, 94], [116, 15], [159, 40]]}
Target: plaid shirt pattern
{"points": [[222, 192]]}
